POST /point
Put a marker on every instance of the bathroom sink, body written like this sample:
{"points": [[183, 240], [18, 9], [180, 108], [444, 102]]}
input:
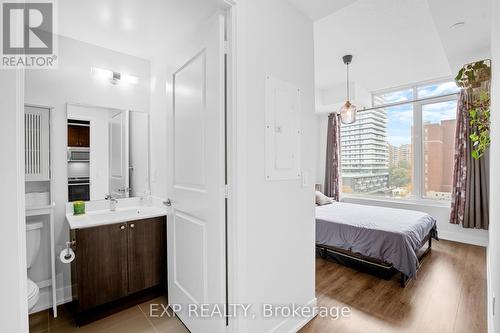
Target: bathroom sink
{"points": [[118, 215], [103, 217]]}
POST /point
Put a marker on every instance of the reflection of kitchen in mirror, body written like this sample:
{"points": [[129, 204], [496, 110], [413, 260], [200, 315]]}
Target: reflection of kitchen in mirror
{"points": [[106, 153], [78, 159]]}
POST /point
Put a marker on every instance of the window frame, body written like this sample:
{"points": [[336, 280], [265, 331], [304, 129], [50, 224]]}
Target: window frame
{"points": [[418, 176]]}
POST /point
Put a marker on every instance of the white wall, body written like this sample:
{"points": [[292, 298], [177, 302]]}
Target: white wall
{"points": [[161, 103], [274, 260], [493, 268], [73, 82], [13, 302]]}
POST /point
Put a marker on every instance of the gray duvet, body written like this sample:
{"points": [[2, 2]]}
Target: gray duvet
{"points": [[388, 234]]}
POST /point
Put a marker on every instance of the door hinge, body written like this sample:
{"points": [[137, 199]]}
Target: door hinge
{"points": [[226, 191], [493, 305], [226, 47]]}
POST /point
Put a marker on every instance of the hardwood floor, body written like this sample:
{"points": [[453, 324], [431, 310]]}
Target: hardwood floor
{"points": [[448, 295]]}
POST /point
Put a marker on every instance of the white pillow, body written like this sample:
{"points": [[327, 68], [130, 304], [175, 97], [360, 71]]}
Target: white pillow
{"points": [[322, 199]]}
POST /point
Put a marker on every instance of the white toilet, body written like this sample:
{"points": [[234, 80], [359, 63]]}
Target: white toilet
{"points": [[33, 235]]}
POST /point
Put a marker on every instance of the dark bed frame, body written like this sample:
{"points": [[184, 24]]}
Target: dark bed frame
{"points": [[372, 265]]}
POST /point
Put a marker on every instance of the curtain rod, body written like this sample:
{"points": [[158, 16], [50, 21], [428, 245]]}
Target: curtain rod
{"points": [[407, 102]]}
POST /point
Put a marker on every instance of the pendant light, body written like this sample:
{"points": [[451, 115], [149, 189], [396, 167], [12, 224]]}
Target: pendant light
{"points": [[348, 111]]}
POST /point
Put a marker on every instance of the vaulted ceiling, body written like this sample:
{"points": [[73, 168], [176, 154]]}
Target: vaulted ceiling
{"points": [[317, 9], [395, 42]]}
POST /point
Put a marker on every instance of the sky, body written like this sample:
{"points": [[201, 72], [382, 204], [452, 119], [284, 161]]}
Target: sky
{"points": [[400, 118]]}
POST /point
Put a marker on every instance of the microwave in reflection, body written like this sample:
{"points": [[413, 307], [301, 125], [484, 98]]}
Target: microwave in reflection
{"points": [[78, 154]]}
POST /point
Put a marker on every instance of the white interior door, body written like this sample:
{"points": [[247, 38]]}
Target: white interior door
{"points": [[118, 155], [196, 223]]}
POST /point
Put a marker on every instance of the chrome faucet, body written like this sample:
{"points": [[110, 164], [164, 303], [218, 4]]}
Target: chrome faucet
{"points": [[112, 202]]}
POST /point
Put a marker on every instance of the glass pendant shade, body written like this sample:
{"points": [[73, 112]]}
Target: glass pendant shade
{"points": [[348, 113]]}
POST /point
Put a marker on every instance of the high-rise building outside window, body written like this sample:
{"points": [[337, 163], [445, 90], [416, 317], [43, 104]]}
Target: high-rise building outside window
{"points": [[381, 155]]}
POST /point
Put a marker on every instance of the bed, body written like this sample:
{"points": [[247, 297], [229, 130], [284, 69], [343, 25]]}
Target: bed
{"points": [[384, 238]]}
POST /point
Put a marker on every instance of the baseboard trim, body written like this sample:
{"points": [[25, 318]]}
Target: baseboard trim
{"points": [[463, 238], [292, 324]]}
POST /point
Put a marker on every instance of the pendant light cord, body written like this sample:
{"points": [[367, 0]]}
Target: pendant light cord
{"points": [[347, 84]]}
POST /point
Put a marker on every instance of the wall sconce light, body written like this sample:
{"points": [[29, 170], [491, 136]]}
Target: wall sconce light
{"points": [[114, 77], [129, 79]]}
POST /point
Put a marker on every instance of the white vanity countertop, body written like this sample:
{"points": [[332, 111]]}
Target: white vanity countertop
{"points": [[98, 213]]}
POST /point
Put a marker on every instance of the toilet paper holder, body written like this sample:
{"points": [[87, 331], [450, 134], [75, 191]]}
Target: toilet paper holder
{"points": [[70, 245]]}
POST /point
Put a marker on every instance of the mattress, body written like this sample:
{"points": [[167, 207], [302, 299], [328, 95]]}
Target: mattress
{"points": [[387, 234]]}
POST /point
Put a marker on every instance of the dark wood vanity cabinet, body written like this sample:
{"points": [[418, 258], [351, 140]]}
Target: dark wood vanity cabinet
{"points": [[100, 265], [146, 254], [115, 262]]}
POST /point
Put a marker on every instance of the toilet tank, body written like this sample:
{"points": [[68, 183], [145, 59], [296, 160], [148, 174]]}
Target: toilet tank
{"points": [[33, 235]]}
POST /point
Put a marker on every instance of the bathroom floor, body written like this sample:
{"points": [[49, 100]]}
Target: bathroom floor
{"points": [[137, 319]]}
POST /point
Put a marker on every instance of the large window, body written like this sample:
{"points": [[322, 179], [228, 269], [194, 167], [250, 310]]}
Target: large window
{"points": [[403, 146]]}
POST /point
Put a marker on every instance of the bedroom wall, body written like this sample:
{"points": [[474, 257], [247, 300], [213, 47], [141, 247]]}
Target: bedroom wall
{"points": [[73, 82], [274, 260], [493, 267]]}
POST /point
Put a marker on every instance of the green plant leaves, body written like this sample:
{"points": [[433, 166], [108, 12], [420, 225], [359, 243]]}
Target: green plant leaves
{"points": [[460, 73], [479, 121]]}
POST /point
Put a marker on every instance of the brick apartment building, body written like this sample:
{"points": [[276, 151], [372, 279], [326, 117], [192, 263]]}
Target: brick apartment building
{"points": [[438, 170]]}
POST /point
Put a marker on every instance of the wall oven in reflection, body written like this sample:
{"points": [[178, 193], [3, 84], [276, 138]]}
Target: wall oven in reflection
{"points": [[78, 189]]}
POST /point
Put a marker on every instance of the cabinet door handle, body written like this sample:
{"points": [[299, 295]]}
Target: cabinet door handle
{"points": [[132, 226], [122, 227]]}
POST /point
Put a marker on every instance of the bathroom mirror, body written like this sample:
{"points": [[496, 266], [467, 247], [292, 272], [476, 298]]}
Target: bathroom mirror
{"points": [[107, 153]]}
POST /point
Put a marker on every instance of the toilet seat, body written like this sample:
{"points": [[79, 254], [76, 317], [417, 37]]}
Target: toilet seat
{"points": [[33, 294]]}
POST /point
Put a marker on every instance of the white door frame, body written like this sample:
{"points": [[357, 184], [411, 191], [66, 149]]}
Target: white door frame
{"points": [[235, 137], [20, 320]]}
